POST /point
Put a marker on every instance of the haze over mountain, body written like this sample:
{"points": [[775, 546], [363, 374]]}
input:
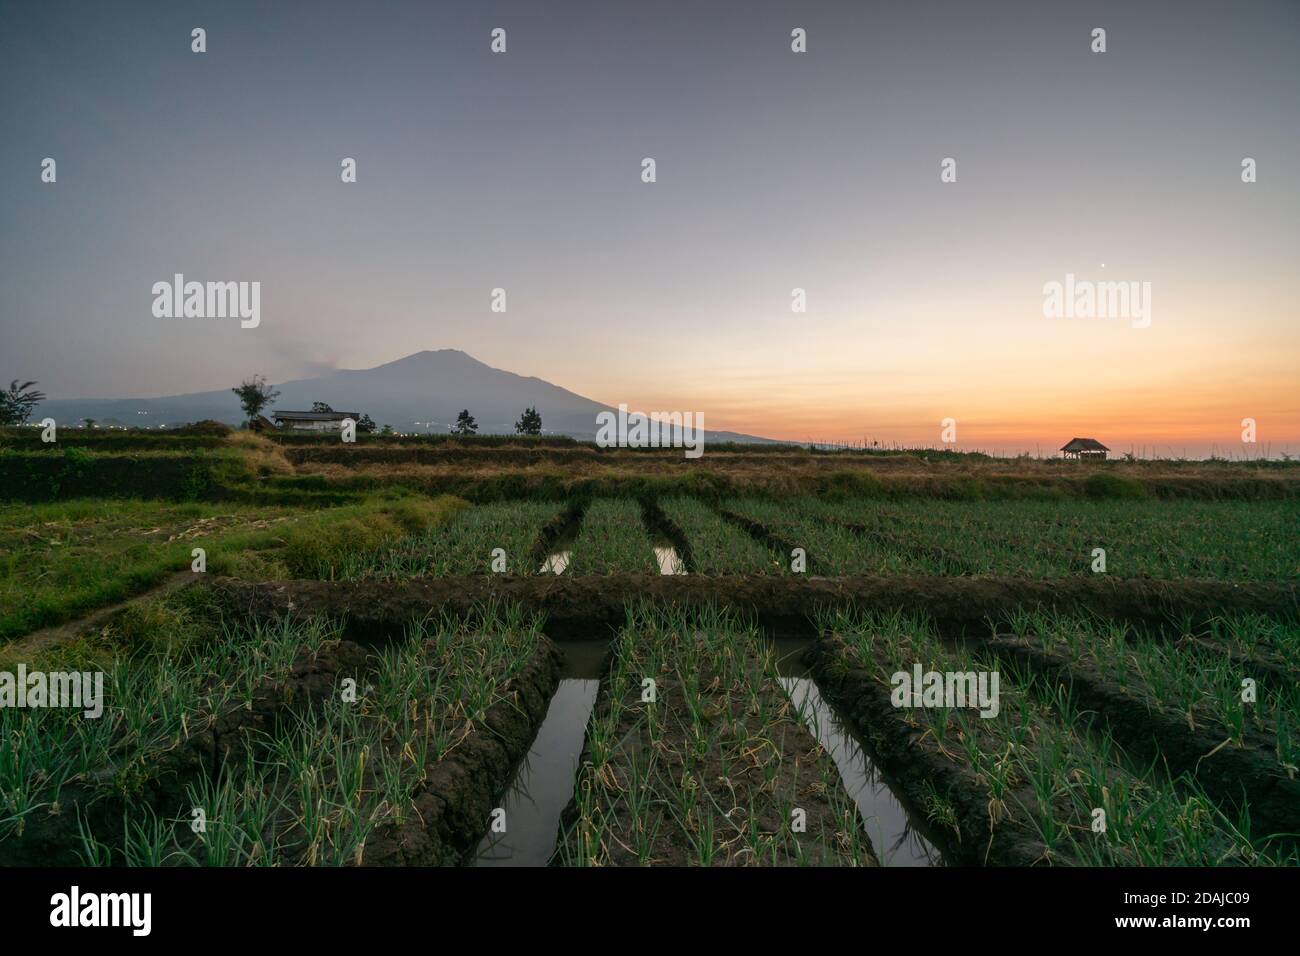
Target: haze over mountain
{"points": [[422, 392]]}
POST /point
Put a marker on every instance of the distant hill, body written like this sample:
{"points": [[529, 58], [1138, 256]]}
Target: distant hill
{"points": [[422, 392]]}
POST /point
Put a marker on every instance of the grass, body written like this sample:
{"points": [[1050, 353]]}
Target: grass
{"points": [[58, 560], [831, 549], [327, 544], [1159, 539], [466, 544], [322, 786], [63, 559], [165, 665], [1253, 635]]}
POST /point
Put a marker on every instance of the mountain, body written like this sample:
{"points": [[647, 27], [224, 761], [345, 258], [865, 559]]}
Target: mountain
{"points": [[422, 392]]}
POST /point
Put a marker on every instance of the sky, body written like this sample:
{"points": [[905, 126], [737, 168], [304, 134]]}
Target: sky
{"points": [[775, 170]]}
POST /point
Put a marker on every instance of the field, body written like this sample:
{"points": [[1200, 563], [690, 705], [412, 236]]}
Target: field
{"points": [[66, 558], [246, 723], [712, 768], [1023, 785], [1108, 655]]}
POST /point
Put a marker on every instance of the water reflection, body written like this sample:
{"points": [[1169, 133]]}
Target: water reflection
{"points": [[896, 840]]}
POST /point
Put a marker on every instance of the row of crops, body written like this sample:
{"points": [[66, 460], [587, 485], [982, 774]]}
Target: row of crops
{"points": [[1031, 539], [254, 743], [695, 756], [62, 560], [233, 741], [1224, 541], [1157, 756], [328, 753]]}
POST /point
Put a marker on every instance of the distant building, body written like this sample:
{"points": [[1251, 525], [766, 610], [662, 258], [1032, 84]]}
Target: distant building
{"points": [[261, 424], [314, 421], [1084, 448]]}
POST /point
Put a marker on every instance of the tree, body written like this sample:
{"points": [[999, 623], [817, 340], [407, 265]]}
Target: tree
{"points": [[90, 422], [365, 423], [530, 423], [386, 430], [18, 403], [320, 407], [465, 424], [254, 395]]}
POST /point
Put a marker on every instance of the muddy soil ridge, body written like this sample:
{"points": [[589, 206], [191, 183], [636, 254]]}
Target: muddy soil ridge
{"points": [[588, 608], [452, 808], [900, 750]]}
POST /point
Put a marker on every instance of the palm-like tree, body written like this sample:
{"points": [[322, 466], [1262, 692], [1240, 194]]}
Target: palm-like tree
{"points": [[18, 403]]}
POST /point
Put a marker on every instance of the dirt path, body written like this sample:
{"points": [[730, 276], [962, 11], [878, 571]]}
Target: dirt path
{"points": [[40, 641]]}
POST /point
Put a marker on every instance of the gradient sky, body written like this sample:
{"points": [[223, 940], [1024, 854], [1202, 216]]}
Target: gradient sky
{"points": [[775, 170]]}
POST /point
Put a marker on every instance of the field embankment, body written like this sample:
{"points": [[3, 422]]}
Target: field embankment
{"points": [[212, 464]]}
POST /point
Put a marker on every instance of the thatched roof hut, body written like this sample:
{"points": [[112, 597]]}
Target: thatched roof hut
{"points": [[1084, 448]]}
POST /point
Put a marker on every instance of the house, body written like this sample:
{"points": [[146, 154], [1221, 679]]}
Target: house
{"points": [[1084, 448], [314, 421], [261, 424]]}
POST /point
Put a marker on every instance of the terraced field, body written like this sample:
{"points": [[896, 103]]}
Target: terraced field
{"points": [[1044, 776], [58, 561], [294, 746], [612, 538], [369, 682], [695, 755], [501, 538], [1218, 540]]}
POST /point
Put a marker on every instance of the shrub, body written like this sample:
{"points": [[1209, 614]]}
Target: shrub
{"points": [[316, 547], [205, 427], [1107, 486], [840, 485]]}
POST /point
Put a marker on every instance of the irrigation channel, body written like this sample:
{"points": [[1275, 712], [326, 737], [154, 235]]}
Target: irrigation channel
{"points": [[561, 553], [543, 783], [670, 562], [897, 840], [590, 609]]}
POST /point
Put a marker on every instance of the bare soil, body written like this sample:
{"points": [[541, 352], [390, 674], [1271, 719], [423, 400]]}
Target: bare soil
{"points": [[588, 608]]}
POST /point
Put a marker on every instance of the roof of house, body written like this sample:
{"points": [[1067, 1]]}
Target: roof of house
{"points": [[317, 416], [1084, 444]]}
